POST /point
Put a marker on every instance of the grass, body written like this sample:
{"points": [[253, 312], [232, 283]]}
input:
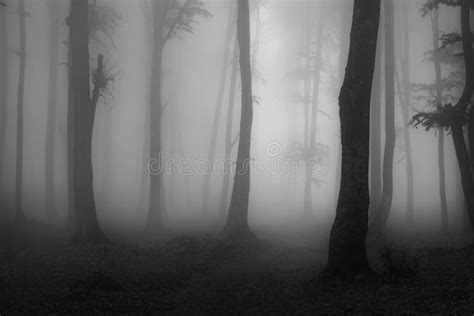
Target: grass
{"points": [[204, 275]]}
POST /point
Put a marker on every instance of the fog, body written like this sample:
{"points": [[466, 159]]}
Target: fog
{"points": [[191, 79]]}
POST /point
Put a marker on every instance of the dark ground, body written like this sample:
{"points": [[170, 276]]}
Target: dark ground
{"points": [[201, 274]]}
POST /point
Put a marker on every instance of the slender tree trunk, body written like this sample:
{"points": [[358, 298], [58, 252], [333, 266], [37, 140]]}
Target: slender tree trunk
{"points": [[4, 84], [155, 196], [347, 250], [307, 110], [19, 215], [462, 152], [87, 226], [383, 209], [70, 145], [405, 105], [375, 130], [51, 123], [228, 133], [4, 215], [439, 100], [237, 219], [218, 108], [314, 112]]}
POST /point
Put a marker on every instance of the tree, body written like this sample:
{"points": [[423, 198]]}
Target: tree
{"points": [[237, 219], [439, 100], [404, 89], [375, 130], [19, 214], [455, 117], [4, 81], [170, 19], [229, 143], [347, 250], [383, 209], [218, 106], [84, 105], [54, 25]]}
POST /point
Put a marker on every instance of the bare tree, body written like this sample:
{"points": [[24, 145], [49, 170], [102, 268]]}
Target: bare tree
{"points": [[347, 250]]}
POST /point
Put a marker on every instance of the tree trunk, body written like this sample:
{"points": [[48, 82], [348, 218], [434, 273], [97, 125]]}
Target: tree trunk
{"points": [[4, 85], [439, 100], [314, 113], [218, 108], [228, 133], [462, 152], [237, 219], [383, 209], [347, 250], [375, 130], [19, 215], [51, 123], [155, 196], [87, 226], [70, 145]]}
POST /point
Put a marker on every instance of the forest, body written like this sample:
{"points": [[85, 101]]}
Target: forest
{"points": [[236, 157]]}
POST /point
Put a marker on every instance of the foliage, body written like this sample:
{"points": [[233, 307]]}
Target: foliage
{"points": [[444, 116], [430, 5], [181, 17], [103, 21]]}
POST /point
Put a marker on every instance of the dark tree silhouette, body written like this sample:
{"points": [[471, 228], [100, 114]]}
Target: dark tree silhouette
{"points": [[455, 117], [347, 250], [86, 224], [237, 219]]}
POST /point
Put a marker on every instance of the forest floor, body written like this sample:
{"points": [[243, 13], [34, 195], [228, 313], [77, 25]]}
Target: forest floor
{"points": [[201, 274]]}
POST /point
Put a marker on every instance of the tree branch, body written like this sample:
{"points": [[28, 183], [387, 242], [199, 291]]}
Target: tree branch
{"points": [[176, 20]]}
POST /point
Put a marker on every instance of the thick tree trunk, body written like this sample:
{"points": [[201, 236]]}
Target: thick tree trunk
{"points": [[383, 209], [228, 133], [51, 123], [347, 250], [87, 226], [218, 108], [19, 215], [155, 196], [375, 130], [439, 100], [314, 112], [237, 219]]}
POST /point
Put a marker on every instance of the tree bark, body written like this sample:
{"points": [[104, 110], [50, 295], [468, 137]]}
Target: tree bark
{"points": [[70, 145], [51, 123], [347, 250], [19, 215], [383, 209], [218, 108], [87, 227], [237, 219]]}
